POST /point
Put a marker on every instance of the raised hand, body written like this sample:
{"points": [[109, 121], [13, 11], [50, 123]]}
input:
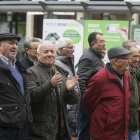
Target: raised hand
{"points": [[56, 79], [71, 83], [124, 32]]}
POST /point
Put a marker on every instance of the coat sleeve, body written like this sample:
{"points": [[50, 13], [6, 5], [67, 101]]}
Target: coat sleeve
{"points": [[85, 71], [92, 96], [38, 91]]}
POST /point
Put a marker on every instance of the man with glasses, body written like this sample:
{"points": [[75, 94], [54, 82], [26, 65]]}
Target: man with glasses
{"points": [[65, 60], [133, 126], [89, 64], [106, 100], [30, 58]]}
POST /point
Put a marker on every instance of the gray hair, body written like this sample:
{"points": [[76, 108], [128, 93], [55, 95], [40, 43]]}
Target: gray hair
{"points": [[38, 49], [128, 47], [126, 43], [61, 43], [29, 40]]}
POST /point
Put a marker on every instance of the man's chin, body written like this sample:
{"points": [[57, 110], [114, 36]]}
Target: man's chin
{"points": [[12, 56], [127, 68]]}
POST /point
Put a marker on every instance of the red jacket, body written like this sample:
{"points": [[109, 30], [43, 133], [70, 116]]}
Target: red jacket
{"points": [[106, 102]]}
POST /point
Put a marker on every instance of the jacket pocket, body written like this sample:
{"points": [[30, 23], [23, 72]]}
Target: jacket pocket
{"points": [[108, 122], [3, 86], [9, 114], [37, 127]]}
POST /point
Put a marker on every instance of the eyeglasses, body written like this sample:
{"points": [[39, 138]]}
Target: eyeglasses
{"points": [[33, 48], [72, 47], [103, 41]]}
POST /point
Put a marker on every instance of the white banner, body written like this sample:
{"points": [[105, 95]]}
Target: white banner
{"points": [[53, 29]]}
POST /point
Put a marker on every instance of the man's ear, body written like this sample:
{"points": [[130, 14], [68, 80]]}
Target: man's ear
{"points": [[26, 50], [116, 61], [61, 50], [93, 44]]}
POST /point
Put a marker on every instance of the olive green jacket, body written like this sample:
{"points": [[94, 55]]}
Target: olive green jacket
{"points": [[44, 102], [134, 102]]}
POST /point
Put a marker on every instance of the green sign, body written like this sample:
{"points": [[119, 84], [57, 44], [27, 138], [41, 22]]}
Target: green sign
{"points": [[114, 32], [73, 35]]}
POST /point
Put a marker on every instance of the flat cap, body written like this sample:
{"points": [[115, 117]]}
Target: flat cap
{"points": [[117, 51], [9, 35]]}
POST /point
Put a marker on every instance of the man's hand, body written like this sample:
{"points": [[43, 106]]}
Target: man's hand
{"points": [[56, 79], [124, 32], [71, 83]]}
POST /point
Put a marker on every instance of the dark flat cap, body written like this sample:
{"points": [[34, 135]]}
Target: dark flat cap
{"points": [[9, 35], [117, 51]]}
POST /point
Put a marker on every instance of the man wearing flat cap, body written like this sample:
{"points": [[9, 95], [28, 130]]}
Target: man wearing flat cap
{"points": [[15, 111], [106, 100]]}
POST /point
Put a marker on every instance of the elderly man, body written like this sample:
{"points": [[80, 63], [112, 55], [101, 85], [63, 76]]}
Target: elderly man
{"points": [[129, 42], [89, 63], [30, 46], [65, 61], [133, 127], [50, 89], [15, 113], [106, 100], [136, 70]]}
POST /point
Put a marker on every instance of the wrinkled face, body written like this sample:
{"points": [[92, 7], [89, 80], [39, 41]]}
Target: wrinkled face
{"points": [[123, 63], [47, 54], [67, 51], [99, 46], [32, 52], [134, 57], [9, 48]]}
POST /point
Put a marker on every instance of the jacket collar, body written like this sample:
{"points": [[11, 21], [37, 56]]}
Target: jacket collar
{"points": [[132, 71], [29, 60], [42, 65], [97, 54], [111, 72], [18, 64], [68, 61]]}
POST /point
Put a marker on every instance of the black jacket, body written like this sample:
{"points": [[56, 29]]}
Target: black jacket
{"points": [[26, 62], [89, 64], [14, 107], [134, 104]]}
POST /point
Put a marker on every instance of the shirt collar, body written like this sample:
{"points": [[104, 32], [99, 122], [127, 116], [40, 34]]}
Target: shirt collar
{"points": [[7, 61]]}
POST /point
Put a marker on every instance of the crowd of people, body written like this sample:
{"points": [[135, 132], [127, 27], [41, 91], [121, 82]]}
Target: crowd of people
{"points": [[44, 96]]}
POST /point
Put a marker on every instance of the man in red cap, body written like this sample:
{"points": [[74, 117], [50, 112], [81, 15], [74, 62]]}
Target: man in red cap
{"points": [[14, 96]]}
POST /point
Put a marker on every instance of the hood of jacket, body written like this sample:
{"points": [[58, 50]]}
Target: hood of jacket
{"points": [[67, 61]]}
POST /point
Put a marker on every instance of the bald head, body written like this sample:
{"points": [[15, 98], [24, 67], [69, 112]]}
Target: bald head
{"points": [[45, 43], [47, 53]]}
